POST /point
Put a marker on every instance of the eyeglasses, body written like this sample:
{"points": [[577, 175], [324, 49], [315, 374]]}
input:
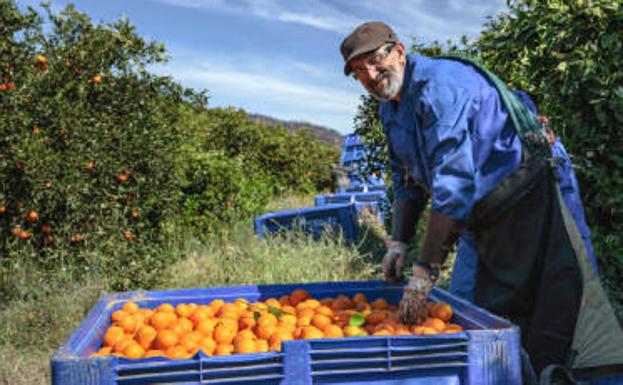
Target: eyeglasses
{"points": [[372, 61]]}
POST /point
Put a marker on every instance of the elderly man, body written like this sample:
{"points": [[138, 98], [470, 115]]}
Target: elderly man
{"points": [[452, 141]]}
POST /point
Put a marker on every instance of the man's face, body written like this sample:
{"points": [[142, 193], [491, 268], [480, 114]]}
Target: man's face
{"points": [[381, 72]]}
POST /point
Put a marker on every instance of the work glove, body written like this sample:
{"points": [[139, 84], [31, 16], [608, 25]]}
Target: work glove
{"points": [[394, 260], [413, 304], [442, 232]]}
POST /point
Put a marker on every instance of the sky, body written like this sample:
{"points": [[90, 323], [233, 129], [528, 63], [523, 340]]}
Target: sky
{"points": [[280, 57]]}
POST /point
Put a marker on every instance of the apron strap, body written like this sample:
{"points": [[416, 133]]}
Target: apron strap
{"points": [[528, 127]]}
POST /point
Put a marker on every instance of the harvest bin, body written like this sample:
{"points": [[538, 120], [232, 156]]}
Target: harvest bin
{"points": [[312, 220], [486, 353]]}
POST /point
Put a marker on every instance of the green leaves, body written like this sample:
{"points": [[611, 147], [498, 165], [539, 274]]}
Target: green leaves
{"points": [[356, 320]]}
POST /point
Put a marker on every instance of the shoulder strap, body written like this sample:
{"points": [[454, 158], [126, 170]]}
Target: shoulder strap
{"points": [[525, 123]]}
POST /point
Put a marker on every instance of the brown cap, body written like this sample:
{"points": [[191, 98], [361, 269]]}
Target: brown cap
{"points": [[367, 37]]}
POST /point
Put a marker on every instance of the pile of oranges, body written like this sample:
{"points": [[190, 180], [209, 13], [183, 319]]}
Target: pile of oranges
{"points": [[224, 328]]}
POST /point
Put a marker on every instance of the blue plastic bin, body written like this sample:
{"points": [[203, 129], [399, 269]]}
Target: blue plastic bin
{"points": [[360, 199], [313, 220], [351, 140], [486, 353]]}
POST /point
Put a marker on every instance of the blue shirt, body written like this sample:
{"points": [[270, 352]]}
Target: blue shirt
{"points": [[449, 137]]}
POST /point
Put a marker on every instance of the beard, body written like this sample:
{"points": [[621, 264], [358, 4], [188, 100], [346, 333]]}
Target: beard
{"points": [[393, 84]]}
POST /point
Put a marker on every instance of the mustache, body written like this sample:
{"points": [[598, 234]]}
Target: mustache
{"points": [[382, 76]]}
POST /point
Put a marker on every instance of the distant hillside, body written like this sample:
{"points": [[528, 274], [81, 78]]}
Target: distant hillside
{"points": [[324, 134]]}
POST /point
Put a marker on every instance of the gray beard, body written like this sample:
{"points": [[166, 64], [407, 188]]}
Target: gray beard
{"points": [[394, 84]]}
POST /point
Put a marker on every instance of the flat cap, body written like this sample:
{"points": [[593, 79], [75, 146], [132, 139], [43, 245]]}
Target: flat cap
{"points": [[366, 38]]}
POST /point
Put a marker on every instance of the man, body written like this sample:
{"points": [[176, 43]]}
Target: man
{"points": [[452, 141]]}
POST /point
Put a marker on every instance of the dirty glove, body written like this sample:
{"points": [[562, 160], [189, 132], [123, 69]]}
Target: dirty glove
{"points": [[413, 304], [394, 260], [441, 234]]}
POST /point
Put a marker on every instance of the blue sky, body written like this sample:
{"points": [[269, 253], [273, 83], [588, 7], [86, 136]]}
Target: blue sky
{"points": [[280, 57]]}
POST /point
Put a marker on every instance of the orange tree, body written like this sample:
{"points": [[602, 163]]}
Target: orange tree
{"points": [[89, 141], [232, 166]]}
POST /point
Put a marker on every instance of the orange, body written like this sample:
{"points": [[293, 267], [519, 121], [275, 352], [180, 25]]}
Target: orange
{"points": [[186, 324], [133, 351], [376, 317], [333, 331], [176, 352], [146, 335], [190, 342], [130, 307], [244, 334], [113, 335], [229, 308], [165, 308], [206, 326], [320, 321], [267, 319], [435, 323], [183, 310], [128, 324], [288, 309], [216, 305], [201, 314], [311, 332], [453, 328], [153, 353], [326, 302], [177, 328], [360, 298], [305, 312], [246, 322], [224, 334], [122, 344], [119, 315], [208, 345], [298, 296], [106, 350], [261, 346], [274, 302], [224, 350], [245, 346], [264, 331], [304, 321], [288, 318], [32, 216], [308, 304], [354, 331], [324, 310], [442, 310], [165, 339], [160, 321], [280, 335], [380, 304]]}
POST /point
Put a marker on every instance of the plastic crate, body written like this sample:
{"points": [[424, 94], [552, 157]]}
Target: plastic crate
{"points": [[351, 140], [486, 353], [360, 199], [312, 220]]}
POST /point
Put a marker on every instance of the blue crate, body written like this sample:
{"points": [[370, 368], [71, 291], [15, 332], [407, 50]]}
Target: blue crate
{"points": [[351, 140], [486, 353], [313, 220], [360, 199]]}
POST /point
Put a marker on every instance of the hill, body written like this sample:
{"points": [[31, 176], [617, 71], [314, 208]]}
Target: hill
{"points": [[324, 134]]}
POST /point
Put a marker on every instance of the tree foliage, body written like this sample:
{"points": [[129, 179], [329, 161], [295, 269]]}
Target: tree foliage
{"points": [[103, 164]]}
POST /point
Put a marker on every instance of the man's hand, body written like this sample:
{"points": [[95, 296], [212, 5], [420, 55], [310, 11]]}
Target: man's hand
{"points": [[415, 296], [394, 260]]}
